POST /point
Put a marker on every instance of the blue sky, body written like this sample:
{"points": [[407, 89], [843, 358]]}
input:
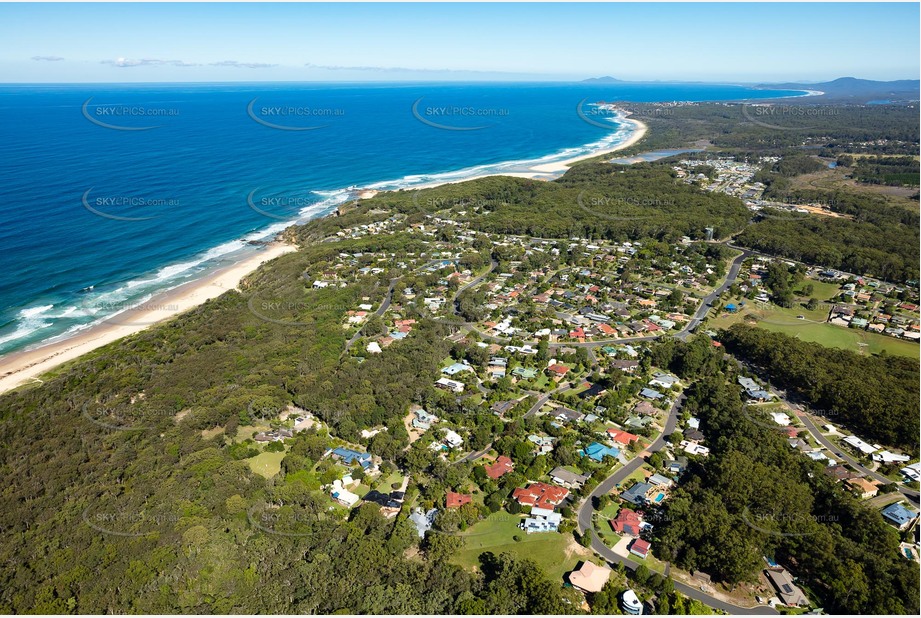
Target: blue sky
{"points": [[421, 42]]}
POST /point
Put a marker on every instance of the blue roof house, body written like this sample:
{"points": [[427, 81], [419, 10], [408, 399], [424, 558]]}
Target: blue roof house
{"points": [[597, 451], [899, 515]]}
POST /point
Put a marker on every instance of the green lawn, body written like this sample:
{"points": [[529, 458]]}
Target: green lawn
{"points": [[547, 549], [815, 329], [266, 464]]}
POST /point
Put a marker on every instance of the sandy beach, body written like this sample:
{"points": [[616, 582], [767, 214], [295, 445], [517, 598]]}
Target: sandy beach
{"points": [[550, 171], [20, 368]]}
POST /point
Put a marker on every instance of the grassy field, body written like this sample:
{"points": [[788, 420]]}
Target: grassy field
{"points": [[266, 464], [814, 328], [555, 553]]}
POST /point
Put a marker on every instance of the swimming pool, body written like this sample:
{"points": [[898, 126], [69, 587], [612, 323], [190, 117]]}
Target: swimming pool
{"points": [[659, 498]]}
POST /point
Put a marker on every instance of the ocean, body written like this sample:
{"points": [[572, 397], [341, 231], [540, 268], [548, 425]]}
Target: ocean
{"points": [[113, 193]]}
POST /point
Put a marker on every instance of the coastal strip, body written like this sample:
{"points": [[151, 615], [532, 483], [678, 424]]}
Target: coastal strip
{"points": [[20, 368], [24, 367]]}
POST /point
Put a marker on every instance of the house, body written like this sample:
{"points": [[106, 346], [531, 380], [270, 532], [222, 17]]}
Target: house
{"points": [[541, 520], [636, 494], [627, 366], [503, 407], [899, 515], [374, 348], [597, 452], [788, 592], [349, 456], [627, 522], [541, 495], [649, 393], [390, 503], [557, 371], [544, 443], [525, 373], [664, 380], [886, 457], [590, 577], [502, 466], [644, 408], [456, 368], [753, 390], [450, 385], [423, 420], [566, 478], [780, 418], [677, 465], [863, 487], [452, 439], [622, 437], [693, 448], [840, 473], [912, 472], [630, 603], [639, 547], [423, 521], [860, 445], [455, 500], [342, 495], [564, 414], [657, 480]]}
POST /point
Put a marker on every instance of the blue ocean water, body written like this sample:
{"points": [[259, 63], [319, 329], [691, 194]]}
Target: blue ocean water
{"points": [[112, 193]]}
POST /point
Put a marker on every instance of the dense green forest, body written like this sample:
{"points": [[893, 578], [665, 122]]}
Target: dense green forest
{"points": [[827, 130], [875, 396], [754, 496], [596, 200], [885, 250], [893, 171]]}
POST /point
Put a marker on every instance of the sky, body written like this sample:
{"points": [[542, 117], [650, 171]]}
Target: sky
{"points": [[739, 43]]}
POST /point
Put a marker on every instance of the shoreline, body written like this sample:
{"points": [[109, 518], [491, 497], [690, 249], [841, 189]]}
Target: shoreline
{"points": [[555, 169], [23, 367]]}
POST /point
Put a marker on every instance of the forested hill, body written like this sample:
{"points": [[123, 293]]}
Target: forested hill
{"points": [[876, 397]]}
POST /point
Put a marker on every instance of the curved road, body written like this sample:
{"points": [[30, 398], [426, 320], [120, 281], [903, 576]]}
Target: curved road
{"points": [[586, 511]]}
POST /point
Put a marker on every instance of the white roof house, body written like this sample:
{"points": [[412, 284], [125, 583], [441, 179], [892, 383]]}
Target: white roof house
{"points": [[860, 445], [452, 439], [888, 457]]}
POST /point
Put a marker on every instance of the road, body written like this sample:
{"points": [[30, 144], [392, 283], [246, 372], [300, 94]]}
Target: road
{"points": [[586, 513], [707, 301], [834, 449], [380, 311], [839, 453]]}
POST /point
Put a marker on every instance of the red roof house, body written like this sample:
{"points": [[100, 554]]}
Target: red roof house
{"points": [[541, 495], [640, 548], [455, 501], [626, 522], [622, 437], [558, 370], [502, 466]]}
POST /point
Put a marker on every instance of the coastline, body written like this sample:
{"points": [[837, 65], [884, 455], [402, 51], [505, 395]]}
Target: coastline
{"points": [[23, 367], [555, 169]]}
